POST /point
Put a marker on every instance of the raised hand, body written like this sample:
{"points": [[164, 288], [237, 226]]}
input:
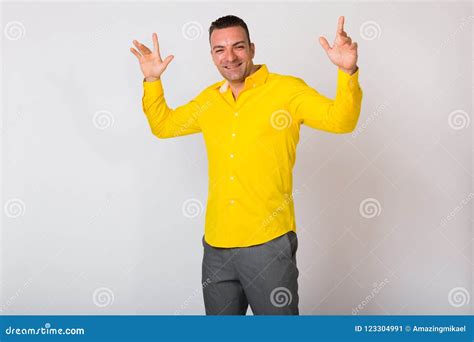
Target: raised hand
{"points": [[151, 63], [344, 52]]}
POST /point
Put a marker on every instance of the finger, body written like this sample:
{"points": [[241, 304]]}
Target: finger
{"points": [[341, 40], [136, 53], [156, 45], [354, 46], [145, 48], [341, 35], [340, 25], [142, 48], [324, 43], [137, 45], [168, 60], [155, 41], [348, 41]]}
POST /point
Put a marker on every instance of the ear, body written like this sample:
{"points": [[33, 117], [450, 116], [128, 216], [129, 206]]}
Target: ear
{"points": [[252, 49]]}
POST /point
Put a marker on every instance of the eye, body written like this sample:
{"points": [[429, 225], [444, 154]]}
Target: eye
{"points": [[240, 47]]}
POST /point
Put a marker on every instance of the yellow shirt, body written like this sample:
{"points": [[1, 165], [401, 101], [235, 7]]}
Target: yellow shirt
{"points": [[251, 146]]}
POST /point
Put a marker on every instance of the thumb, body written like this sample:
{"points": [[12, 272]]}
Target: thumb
{"points": [[324, 43], [168, 60]]}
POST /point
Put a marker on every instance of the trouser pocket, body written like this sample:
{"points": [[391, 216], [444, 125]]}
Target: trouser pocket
{"points": [[293, 240]]}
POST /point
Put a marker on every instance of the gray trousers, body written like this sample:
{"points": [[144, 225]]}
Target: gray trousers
{"points": [[264, 276]]}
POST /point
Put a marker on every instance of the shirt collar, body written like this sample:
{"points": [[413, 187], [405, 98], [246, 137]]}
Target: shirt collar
{"points": [[257, 78]]}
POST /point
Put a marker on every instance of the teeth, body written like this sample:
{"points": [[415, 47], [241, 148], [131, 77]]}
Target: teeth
{"points": [[233, 66]]}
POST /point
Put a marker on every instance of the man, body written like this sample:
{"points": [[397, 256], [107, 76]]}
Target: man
{"points": [[250, 121]]}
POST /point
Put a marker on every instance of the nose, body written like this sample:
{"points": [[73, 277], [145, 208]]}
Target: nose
{"points": [[230, 56]]}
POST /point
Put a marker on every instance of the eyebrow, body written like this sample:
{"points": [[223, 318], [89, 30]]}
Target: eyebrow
{"points": [[221, 46]]}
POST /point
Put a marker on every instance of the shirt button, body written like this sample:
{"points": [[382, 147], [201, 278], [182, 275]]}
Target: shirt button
{"points": [[236, 113], [231, 177], [231, 201], [233, 134], [232, 155]]}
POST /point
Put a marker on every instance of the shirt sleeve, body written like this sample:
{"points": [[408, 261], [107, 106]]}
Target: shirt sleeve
{"points": [[164, 121], [320, 112]]}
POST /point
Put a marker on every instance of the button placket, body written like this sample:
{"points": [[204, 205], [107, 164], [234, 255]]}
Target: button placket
{"points": [[232, 156]]}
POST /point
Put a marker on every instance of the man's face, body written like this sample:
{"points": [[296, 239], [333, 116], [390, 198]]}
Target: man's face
{"points": [[232, 53]]}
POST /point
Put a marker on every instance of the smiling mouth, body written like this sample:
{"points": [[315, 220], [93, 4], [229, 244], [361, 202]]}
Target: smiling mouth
{"points": [[231, 67]]}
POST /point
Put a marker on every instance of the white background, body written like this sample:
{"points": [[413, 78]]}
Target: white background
{"points": [[93, 219]]}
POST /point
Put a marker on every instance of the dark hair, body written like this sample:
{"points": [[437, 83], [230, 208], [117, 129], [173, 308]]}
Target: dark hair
{"points": [[228, 21]]}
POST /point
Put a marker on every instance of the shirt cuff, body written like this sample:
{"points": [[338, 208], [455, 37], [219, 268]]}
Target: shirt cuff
{"points": [[154, 88], [352, 81]]}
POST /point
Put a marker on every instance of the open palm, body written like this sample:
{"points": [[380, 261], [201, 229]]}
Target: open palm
{"points": [[151, 63], [343, 53]]}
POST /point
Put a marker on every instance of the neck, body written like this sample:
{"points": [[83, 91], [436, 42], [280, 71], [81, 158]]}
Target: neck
{"points": [[237, 86]]}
